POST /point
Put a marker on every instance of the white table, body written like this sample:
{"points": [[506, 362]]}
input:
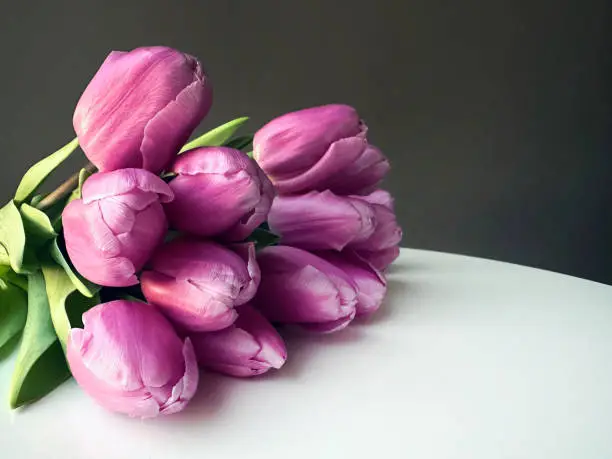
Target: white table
{"points": [[469, 359]]}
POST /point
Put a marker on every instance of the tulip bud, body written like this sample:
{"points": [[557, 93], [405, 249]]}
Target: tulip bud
{"points": [[197, 283], [130, 360], [368, 282], [319, 148], [324, 221], [228, 192], [141, 107], [248, 347], [299, 287], [112, 231]]}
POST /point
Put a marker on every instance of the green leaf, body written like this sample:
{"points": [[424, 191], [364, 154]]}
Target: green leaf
{"points": [[18, 280], [37, 174], [218, 136], [37, 225], [239, 143], [13, 310], [86, 288], [263, 237], [67, 305], [40, 366], [250, 154], [5, 261], [13, 239], [84, 174]]}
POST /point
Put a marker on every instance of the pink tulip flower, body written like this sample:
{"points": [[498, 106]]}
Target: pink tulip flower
{"points": [[325, 221], [198, 283], [131, 361], [319, 148], [302, 288], [113, 230], [218, 192], [141, 107]]}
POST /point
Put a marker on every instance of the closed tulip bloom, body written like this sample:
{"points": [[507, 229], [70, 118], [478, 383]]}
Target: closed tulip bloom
{"points": [[220, 192], [321, 220], [250, 346], [130, 360], [198, 283], [325, 221], [311, 149], [301, 288], [141, 107], [368, 282], [113, 230]]}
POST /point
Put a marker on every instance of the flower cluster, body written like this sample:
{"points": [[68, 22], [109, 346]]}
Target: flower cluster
{"points": [[195, 254]]}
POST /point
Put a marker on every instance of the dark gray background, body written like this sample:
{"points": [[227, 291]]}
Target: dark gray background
{"points": [[496, 114]]}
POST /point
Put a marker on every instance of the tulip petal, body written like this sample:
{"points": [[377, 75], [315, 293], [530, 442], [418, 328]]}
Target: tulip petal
{"points": [[181, 115], [247, 252], [339, 154], [187, 303], [369, 283], [380, 197], [306, 134], [362, 175], [321, 220], [185, 389], [107, 184], [218, 200]]}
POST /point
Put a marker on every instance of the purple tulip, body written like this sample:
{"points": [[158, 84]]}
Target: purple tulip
{"points": [[299, 287], [249, 347], [368, 282], [141, 107], [113, 230], [319, 148], [325, 221], [130, 360], [197, 283], [224, 189]]}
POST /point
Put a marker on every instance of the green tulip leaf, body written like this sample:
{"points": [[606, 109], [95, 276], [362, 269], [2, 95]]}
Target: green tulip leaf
{"points": [[13, 310], [263, 237], [84, 174], [18, 280], [240, 143], [13, 240], [85, 287], [37, 174], [40, 366], [218, 136], [37, 225], [5, 261], [66, 303]]}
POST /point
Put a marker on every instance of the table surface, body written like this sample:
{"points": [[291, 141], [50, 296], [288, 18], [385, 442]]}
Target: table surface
{"points": [[469, 358]]}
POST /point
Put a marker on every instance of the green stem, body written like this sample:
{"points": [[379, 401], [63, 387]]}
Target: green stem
{"points": [[63, 190]]}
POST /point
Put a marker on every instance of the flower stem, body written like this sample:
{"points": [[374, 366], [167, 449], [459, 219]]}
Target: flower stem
{"points": [[64, 189]]}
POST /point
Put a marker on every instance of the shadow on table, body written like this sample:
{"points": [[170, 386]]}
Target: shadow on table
{"points": [[302, 348]]}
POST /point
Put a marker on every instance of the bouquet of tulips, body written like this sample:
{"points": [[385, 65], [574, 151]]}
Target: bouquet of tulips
{"points": [[162, 257]]}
